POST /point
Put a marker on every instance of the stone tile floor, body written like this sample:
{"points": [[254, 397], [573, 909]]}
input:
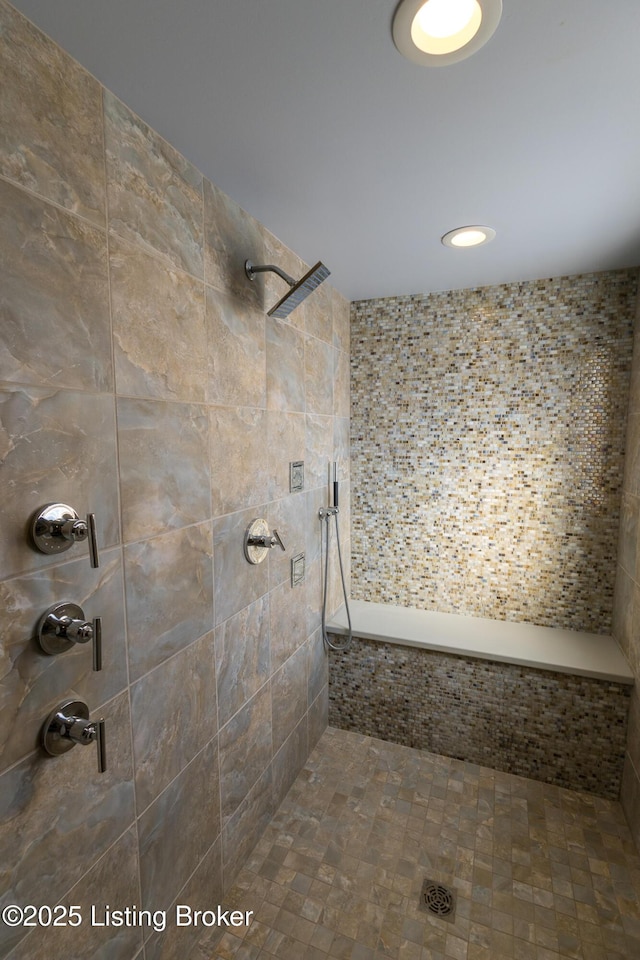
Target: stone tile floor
{"points": [[539, 872]]}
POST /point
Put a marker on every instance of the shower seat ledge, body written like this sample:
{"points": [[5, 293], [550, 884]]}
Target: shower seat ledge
{"points": [[543, 648]]}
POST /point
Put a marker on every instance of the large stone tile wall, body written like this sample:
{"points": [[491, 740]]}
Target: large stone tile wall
{"points": [[141, 379], [560, 729], [488, 435], [626, 609]]}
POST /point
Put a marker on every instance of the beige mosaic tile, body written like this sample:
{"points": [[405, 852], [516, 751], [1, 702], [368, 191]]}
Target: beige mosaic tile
{"points": [[539, 872], [491, 423], [563, 729]]}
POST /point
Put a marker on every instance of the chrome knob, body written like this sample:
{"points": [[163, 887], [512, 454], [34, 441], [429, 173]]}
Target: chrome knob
{"points": [[63, 625], [56, 527], [69, 724]]}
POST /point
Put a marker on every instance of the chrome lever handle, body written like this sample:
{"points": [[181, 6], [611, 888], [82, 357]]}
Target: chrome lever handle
{"points": [[69, 724], [97, 644], [81, 731], [101, 744], [277, 540], [94, 559]]}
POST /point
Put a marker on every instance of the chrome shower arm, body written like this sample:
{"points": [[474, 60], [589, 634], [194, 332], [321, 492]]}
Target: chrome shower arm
{"points": [[251, 269], [298, 289]]}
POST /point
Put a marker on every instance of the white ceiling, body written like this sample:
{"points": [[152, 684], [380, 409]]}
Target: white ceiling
{"points": [[304, 112]]}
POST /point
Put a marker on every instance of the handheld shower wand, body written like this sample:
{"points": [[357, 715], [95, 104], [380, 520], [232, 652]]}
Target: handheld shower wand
{"points": [[325, 513]]}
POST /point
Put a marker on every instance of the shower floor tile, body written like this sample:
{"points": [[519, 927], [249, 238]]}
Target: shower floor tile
{"points": [[538, 872]]}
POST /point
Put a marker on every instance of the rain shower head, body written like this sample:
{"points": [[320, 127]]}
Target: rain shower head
{"points": [[299, 289]]}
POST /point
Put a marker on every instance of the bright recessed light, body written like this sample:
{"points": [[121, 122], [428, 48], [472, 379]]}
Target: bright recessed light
{"points": [[441, 26], [471, 236], [438, 32]]}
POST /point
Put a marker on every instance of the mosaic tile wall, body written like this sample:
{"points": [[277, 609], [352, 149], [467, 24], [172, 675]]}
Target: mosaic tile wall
{"points": [[561, 729], [488, 434], [140, 378]]}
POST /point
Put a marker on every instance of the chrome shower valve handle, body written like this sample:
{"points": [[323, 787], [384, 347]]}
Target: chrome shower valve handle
{"points": [[69, 724], [63, 625], [258, 540], [267, 540], [56, 527]]}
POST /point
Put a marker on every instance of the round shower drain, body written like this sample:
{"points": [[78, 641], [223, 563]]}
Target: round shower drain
{"points": [[437, 899]]}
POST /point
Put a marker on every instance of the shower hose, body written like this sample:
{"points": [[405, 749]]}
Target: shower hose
{"points": [[325, 515]]}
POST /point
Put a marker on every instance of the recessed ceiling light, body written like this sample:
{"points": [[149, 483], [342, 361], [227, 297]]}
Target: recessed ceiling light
{"points": [[439, 32], [472, 236]]}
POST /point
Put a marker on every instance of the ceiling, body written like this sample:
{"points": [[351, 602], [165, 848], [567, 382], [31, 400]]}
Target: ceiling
{"points": [[304, 113]]}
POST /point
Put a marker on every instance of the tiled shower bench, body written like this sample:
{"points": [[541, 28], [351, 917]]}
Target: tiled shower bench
{"points": [[541, 702]]}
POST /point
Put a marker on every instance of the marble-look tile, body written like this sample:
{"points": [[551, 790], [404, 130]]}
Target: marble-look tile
{"points": [[245, 751], [287, 516], [58, 815], [55, 447], [315, 528], [288, 622], [174, 715], [178, 829], [319, 447], [165, 479], [633, 729], [630, 799], [335, 592], [242, 657], [286, 443], [112, 882], [289, 692], [622, 625], [236, 351], [341, 312], [628, 537], [55, 327], [344, 513], [285, 367], [274, 286], [243, 830], [169, 589], [319, 313], [318, 376], [232, 237], [335, 597], [631, 482], [633, 649], [237, 582], [51, 136], [32, 683], [159, 332], [634, 386], [314, 594], [317, 665], [155, 195], [289, 761], [202, 892], [239, 458], [341, 381], [318, 717], [342, 448]]}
